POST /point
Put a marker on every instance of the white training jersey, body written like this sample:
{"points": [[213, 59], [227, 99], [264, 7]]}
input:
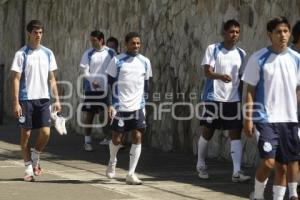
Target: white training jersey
{"points": [[130, 73], [34, 66], [276, 77], [96, 62], [223, 61]]}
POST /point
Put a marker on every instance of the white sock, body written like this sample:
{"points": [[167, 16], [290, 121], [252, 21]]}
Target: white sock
{"points": [[113, 150], [202, 149], [87, 139], [134, 155], [236, 155], [292, 189], [259, 188], [278, 192], [35, 157], [28, 168]]}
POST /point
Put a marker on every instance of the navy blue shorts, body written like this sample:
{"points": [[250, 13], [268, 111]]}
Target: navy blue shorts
{"points": [[94, 102], [279, 141], [128, 121], [36, 114], [222, 115]]}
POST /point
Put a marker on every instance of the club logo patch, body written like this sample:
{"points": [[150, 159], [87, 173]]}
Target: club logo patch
{"points": [[267, 147], [120, 123]]}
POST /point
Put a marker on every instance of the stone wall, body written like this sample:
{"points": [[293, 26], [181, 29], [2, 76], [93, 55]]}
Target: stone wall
{"points": [[174, 33]]}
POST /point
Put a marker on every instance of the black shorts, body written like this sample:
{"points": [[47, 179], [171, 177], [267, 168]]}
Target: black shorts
{"points": [[35, 113], [94, 102], [222, 115], [128, 121], [279, 141]]}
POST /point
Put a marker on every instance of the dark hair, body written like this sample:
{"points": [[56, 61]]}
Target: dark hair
{"points": [[98, 34], [296, 32], [228, 24], [271, 25], [131, 35], [113, 39], [34, 24]]}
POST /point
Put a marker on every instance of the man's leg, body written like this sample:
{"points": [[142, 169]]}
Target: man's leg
{"points": [[88, 120], [105, 129], [261, 177], [114, 147], [134, 154], [25, 135], [279, 186], [292, 177], [206, 135], [42, 140]]}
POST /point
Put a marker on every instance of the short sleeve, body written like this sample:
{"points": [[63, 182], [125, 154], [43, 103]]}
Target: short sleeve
{"points": [[208, 58], [53, 64], [112, 67], [17, 64], [149, 70], [84, 63], [251, 73]]}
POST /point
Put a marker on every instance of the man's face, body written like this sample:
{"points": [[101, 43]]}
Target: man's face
{"points": [[133, 46], [112, 45], [35, 36], [280, 36], [95, 42], [232, 35]]}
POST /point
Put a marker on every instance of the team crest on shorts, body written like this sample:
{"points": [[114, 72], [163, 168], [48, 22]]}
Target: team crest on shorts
{"points": [[120, 123], [267, 147]]}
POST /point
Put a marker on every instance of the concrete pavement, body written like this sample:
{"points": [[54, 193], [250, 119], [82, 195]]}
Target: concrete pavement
{"points": [[71, 173]]}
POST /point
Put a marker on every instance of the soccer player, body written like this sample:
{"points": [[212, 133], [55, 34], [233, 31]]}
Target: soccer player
{"points": [[222, 64], [33, 76], [128, 75], [273, 75], [94, 63]]}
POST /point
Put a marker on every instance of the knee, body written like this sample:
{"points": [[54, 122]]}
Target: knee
{"points": [[116, 140], [269, 163]]}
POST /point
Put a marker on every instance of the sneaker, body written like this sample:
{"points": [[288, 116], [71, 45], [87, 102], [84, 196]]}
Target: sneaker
{"points": [[105, 141], [251, 196], [28, 178], [202, 172], [111, 170], [133, 180], [240, 177], [37, 170], [88, 147]]}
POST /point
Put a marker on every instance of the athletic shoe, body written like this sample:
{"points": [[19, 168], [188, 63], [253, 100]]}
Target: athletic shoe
{"points": [[202, 172], [111, 170], [59, 123], [28, 177], [240, 177], [37, 170], [88, 147], [133, 180], [105, 141], [251, 196]]}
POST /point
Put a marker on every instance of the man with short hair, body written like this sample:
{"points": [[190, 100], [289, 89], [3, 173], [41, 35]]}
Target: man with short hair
{"points": [[94, 63], [113, 43], [128, 76], [33, 76], [222, 64], [272, 75]]}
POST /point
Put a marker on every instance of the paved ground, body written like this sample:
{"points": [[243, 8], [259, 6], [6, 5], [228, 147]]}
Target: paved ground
{"points": [[70, 173]]}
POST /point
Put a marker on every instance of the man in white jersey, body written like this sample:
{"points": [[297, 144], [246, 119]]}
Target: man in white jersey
{"points": [[296, 46], [128, 76], [32, 69], [112, 43], [222, 64], [273, 75], [94, 62]]}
